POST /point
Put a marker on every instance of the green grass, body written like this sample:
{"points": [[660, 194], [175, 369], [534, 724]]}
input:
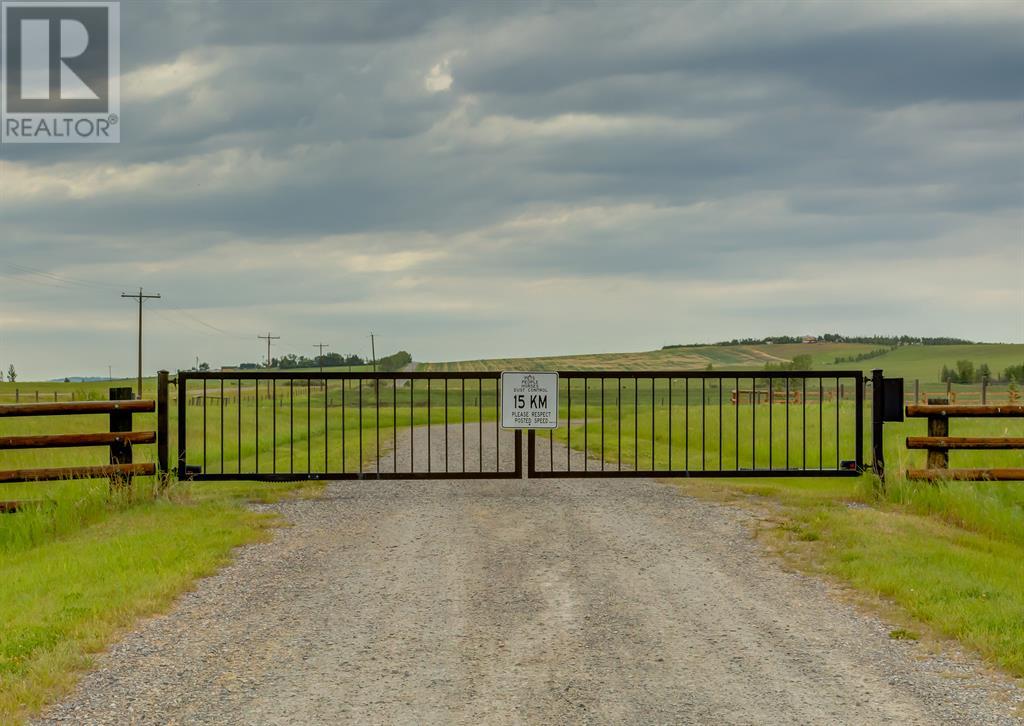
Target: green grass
{"points": [[924, 362], [68, 593]]}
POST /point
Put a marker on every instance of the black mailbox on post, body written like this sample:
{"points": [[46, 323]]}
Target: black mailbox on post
{"points": [[892, 408]]}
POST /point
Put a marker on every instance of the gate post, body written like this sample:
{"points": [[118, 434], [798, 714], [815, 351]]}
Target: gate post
{"points": [[182, 380], [877, 423], [120, 422], [162, 457]]}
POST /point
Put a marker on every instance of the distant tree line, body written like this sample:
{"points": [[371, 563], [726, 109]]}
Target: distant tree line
{"points": [[393, 362], [890, 341], [965, 372], [291, 360]]}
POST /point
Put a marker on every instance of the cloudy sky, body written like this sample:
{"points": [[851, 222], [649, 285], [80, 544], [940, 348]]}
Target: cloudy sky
{"points": [[476, 180]]}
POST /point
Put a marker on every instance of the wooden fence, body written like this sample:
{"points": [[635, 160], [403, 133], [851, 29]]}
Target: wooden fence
{"points": [[938, 443], [120, 439]]}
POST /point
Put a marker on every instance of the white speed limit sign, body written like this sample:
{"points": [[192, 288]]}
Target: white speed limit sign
{"points": [[529, 400]]}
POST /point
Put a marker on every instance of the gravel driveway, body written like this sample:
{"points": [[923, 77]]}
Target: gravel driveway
{"points": [[545, 601]]}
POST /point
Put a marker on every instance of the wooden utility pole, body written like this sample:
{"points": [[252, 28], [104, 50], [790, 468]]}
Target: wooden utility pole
{"points": [[140, 297], [268, 337], [373, 352], [320, 358]]}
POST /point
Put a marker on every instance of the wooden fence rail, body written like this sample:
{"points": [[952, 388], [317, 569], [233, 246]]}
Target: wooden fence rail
{"points": [[938, 442], [120, 439]]}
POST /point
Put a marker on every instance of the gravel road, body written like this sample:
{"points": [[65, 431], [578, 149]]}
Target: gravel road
{"points": [[544, 601]]}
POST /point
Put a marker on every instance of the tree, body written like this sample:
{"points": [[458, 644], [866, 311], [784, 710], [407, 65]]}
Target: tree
{"points": [[12, 375], [802, 362], [204, 366], [965, 371], [984, 372]]}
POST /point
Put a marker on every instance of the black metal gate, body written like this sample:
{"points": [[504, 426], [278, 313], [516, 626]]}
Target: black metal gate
{"points": [[708, 424], [280, 425]]}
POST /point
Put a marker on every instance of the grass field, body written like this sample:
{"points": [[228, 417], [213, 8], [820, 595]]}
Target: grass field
{"points": [[688, 358], [922, 362]]}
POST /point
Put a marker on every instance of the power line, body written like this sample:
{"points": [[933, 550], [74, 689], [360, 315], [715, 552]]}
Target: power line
{"points": [[65, 279], [140, 297], [268, 337]]}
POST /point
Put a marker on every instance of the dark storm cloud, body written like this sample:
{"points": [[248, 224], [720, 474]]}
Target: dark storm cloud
{"points": [[286, 155]]}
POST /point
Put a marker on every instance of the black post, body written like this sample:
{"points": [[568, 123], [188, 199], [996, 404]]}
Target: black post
{"points": [[182, 395], [877, 424], [120, 421], [162, 378]]}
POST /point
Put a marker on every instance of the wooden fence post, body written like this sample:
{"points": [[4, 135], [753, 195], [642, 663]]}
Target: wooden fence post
{"points": [[120, 421], [938, 426]]}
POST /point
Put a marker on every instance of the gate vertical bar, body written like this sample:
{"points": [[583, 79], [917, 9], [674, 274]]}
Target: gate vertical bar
{"points": [[394, 426], [736, 420], [359, 454], [480, 423], [670, 423], [462, 403], [221, 425], [720, 423], [839, 401], [204, 424], [787, 422], [238, 400], [257, 404], [686, 422], [877, 426], [859, 423], [568, 431], [376, 421], [344, 385], [446, 424]]}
